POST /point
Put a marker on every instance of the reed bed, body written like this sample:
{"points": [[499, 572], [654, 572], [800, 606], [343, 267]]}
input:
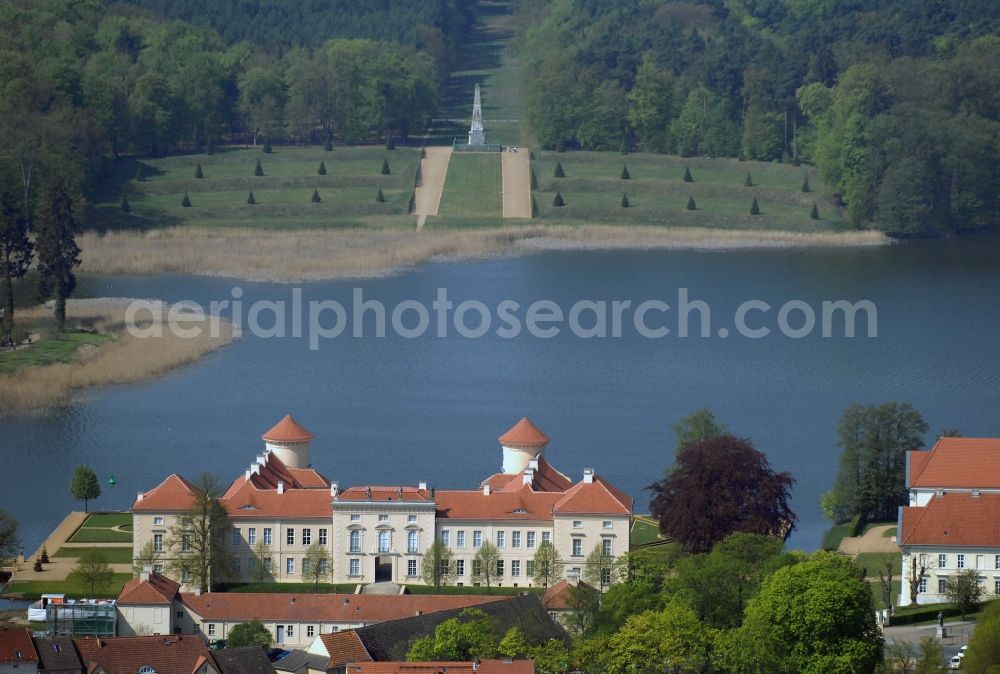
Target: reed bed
{"points": [[284, 256], [123, 359]]}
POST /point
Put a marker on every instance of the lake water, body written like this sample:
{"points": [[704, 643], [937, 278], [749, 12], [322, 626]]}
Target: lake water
{"points": [[401, 410]]}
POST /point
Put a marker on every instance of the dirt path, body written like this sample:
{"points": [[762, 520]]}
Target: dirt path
{"points": [[517, 183], [873, 540], [433, 169]]}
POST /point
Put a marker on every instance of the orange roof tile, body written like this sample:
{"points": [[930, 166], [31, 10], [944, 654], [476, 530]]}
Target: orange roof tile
{"points": [[546, 478], [157, 590], [287, 430], [556, 598], [957, 463], [274, 470], [125, 655], [525, 504], [174, 493], [16, 646], [366, 608], [343, 648], [524, 433], [384, 493], [955, 519], [597, 497], [249, 502], [484, 667]]}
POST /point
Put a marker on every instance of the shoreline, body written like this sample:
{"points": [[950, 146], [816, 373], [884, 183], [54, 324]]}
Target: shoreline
{"points": [[320, 255], [122, 359]]}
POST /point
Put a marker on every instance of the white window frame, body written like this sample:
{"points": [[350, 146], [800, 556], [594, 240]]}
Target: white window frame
{"points": [[354, 567], [459, 567], [310, 631], [158, 542], [446, 538], [158, 521], [251, 535], [578, 547], [237, 537], [460, 538], [515, 539], [412, 542], [384, 543], [289, 566], [477, 539], [267, 535], [411, 568], [531, 540], [942, 560], [323, 536], [354, 533], [211, 629], [501, 539], [307, 536], [546, 537], [355, 517], [960, 561], [577, 524], [290, 536], [607, 547], [606, 524], [515, 567]]}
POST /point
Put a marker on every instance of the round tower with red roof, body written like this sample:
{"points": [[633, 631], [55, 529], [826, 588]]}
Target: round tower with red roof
{"points": [[289, 441], [521, 444]]}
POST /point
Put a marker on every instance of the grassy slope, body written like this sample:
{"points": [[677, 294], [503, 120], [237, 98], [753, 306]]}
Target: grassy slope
{"points": [[48, 351], [107, 520], [473, 186], [72, 587], [111, 555], [283, 194]]}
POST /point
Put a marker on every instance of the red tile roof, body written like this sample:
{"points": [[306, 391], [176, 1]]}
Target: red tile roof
{"points": [[384, 493], [955, 519], [274, 470], [287, 430], [525, 434], [546, 478], [174, 493], [343, 648], [524, 504], [157, 590], [597, 497], [957, 463], [16, 646], [484, 667], [362, 608], [125, 655], [556, 598], [249, 502]]}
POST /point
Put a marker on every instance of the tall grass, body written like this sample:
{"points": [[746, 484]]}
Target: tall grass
{"points": [[121, 360], [324, 254]]}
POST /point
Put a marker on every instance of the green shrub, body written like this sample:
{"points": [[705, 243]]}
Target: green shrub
{"points": [[250, 198], [140, 173], [385, 167], [380, 198], [805, 184], [688, 178], [258, 170], [691, 205], [315, 197], [186, 202], [126, 207], [755, 207], [558, 200], [749, 181], [625, 173], [559, 170], [625, 203], [814, 213], [322, 168], [198, 173]]}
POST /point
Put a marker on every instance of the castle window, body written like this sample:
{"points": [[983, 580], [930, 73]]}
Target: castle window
{"points": [[384, 541], [445, 537], [307, 537], [577, 524], [236, 536], [355, 541], [501, 539], [606, 524], [961, 561], [942, 585], [942, 561], [606, 547], [383, 518], [158, 521], [578, 547], [324, 567], [515, 567], [460, 567], [515, 539], [477, 568], [529, 567], [355, 518], [460, 542], [158, 542], [411, 519], [290, 566], [412, 541], [411, 568], [500, 567], [477, 539], [211, 629], [289, 536], [252, 535], [355, 566], [922, 587], [531, 540], [146, 669], [322, 536], [310, 631], [267, 535], [546, 537]]}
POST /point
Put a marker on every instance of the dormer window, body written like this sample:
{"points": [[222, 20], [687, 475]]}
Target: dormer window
{"points": [[383, 518], [146, 669], [158, 521], [519, 511]]}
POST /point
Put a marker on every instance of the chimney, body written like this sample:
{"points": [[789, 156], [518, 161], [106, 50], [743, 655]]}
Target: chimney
{"points": [[975, 493], [334, 489], [144, 574], [261, 458], [281, 486], [486, 489], [419, 612], [529, 476], [588, 475], [140, 496], [256, 469], [422, 486], [533, 464], [246, 475]]}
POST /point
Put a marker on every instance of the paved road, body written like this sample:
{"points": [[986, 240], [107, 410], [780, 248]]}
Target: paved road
{"points": [[958, 635], [517, 183]]}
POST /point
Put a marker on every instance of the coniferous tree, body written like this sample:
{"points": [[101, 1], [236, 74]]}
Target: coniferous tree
{"points": [[385, 167], [322, 168], [186, 201], [688, 178], [380, 198], [558, 200], [805, 184], [15, 255], [258, 170], [198, 173], [55, 245], [315, 197], [749, 181], [43, 556], [126, 206], [625, 173], [559, 170], [267, 146], [814, 213], [625, 203], [250, 198], [691, 205], [755, 207]]}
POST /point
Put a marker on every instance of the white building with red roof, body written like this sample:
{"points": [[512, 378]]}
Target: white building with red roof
{"points": [[952, 522], [381, 532]]}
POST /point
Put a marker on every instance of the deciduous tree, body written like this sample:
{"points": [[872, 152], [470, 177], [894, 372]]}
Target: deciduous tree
{"points": [[671, 640], [964, 590], [548, 564], [10, 543], [252, 633], [469, 636], [436, 567], [55, 245], [316, 565], [92, 569], [15, 257], [484, 564], [84, 486], [198, 540]]}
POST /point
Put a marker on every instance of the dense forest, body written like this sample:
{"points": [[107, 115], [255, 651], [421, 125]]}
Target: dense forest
{"points": [[84, 81], [897, 102]]}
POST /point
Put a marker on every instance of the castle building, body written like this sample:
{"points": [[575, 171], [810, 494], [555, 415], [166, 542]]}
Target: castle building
{"points": [[379, 533]]}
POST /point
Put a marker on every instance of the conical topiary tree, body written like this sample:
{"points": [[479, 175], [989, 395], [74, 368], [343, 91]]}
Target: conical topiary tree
{"points": [[385, 167], [380, 198], [691, 205], [258, 170], [267, 146], [37, 566], [43, 556], [186, 202], [749, 181], [755, 207], [315, 197], [126, 206], [805, 184], [688, 178], [322, 168], [625, 173], [329, 144], [198, 173], [558, 200], [814, 213], [250, 198], [140, 173], [559, 170], [625, 203]]}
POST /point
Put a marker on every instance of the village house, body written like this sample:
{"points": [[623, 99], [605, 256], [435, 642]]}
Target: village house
{"points": [[952, 522], [377, 533], [17, 652]]}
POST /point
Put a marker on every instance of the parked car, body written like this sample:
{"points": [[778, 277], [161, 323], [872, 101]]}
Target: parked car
{"points": [[955, 662]]}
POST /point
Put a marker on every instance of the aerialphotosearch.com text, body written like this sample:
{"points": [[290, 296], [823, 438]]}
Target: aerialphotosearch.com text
{"points": [[652, 318]]}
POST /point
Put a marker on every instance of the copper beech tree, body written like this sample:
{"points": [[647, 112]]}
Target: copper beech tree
{"points": [[720, 485]]}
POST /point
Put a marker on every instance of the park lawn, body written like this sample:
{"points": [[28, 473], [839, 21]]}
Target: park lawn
{"points": [[49, 350], [32, 589], [643, 532], [107, 520], [834, 535], [889, 533], [874, 561], [876, 589], [473, 186], [113, 555], [101, 536]]}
